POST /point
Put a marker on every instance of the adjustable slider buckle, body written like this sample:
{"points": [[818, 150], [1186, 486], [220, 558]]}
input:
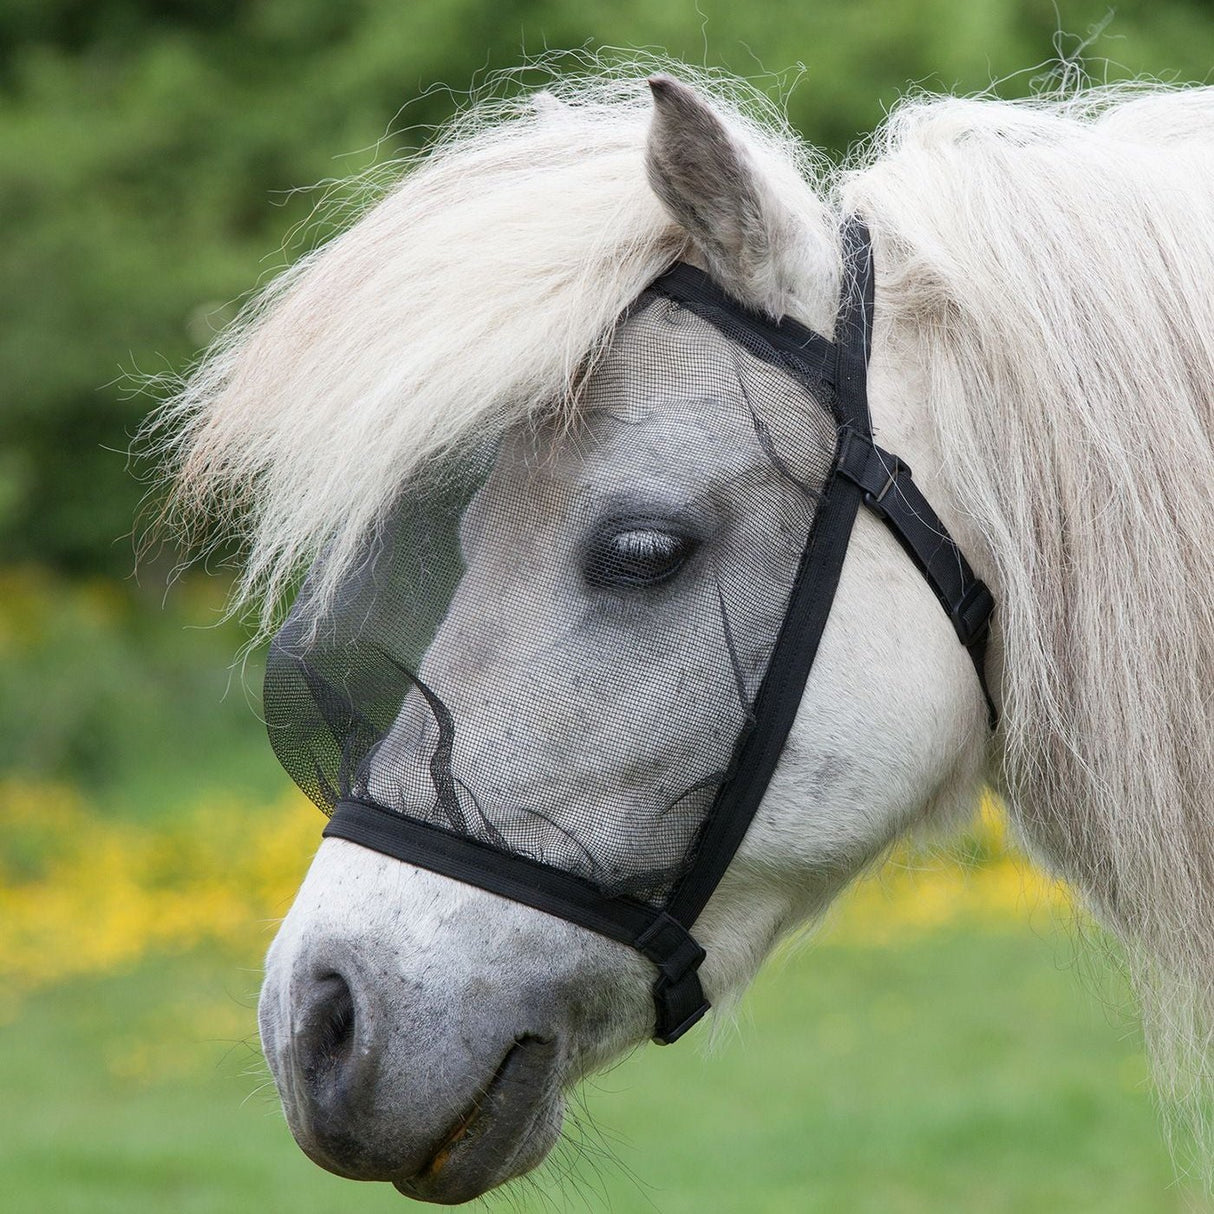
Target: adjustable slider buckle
{"points": [[671, 1001], [971, 616], [865, 464], [677, 995], [893, 471]]}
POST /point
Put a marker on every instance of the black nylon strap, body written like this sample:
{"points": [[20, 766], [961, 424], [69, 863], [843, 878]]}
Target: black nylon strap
{"points": [[678, 998], [854, 325], [892, 495], [776, 705], [787, 336], [808, 605]]}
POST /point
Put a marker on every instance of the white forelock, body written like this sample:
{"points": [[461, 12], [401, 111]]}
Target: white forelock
{"points": [[469, 297]]}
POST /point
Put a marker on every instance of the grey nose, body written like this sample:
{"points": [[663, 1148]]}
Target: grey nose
{"points": [[444, 1099]]}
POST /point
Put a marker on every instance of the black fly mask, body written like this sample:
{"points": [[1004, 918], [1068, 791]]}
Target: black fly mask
{"points": [[565, 671]]}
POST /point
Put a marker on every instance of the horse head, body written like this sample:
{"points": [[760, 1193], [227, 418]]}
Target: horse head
{"points": [[621, 578]]}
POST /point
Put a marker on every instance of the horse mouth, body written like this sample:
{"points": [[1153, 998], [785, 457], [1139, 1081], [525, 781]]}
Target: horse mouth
{"points": [[506, 1130]]}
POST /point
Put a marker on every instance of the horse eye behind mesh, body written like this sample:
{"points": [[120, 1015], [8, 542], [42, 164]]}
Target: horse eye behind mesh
{"points": [[635, 557]]}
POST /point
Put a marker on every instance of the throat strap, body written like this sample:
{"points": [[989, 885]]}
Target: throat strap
{"points": [[891, 494]]}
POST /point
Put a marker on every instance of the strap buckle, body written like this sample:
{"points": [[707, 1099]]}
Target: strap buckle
{"points": [[677, 994], [863, 463], [873, 500], [971, 616]]}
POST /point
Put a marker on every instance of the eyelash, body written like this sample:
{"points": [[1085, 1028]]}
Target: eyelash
{"points": [[636, 557]]}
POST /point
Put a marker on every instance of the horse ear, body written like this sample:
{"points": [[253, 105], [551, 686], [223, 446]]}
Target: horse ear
{"points": [[709, 184]]}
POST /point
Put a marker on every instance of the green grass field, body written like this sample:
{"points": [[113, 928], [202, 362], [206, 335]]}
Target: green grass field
{"points": [[968, 1070]]}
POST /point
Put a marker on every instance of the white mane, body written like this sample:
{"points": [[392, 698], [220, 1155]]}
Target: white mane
{"points": [[1052, 261]]}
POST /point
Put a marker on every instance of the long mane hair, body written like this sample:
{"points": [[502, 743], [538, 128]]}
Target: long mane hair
{"points": [[1052, 261]]}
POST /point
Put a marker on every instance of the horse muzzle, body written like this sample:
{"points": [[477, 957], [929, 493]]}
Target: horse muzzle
{"points": [[423, 1034]]}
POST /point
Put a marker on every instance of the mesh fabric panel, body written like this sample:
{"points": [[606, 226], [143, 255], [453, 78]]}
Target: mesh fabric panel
{"points": [[555, 646]]}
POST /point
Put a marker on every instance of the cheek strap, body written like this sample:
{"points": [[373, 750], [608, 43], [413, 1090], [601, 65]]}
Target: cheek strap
{"points": [[891, 494]]}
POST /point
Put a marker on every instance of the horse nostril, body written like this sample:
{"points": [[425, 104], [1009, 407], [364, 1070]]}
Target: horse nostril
{"points": [[326, 1039]]}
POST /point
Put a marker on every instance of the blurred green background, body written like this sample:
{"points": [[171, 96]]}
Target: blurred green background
{"points": [[152, 163]]}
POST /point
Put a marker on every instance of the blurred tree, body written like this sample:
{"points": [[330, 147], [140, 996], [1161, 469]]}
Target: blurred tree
{"points": [[148, 150]]}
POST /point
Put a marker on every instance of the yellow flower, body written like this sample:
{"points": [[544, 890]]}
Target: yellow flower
{"points": [[81, 893]]}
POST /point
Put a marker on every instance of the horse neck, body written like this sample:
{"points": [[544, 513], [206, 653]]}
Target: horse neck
{"points": [[1079, 466]]}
